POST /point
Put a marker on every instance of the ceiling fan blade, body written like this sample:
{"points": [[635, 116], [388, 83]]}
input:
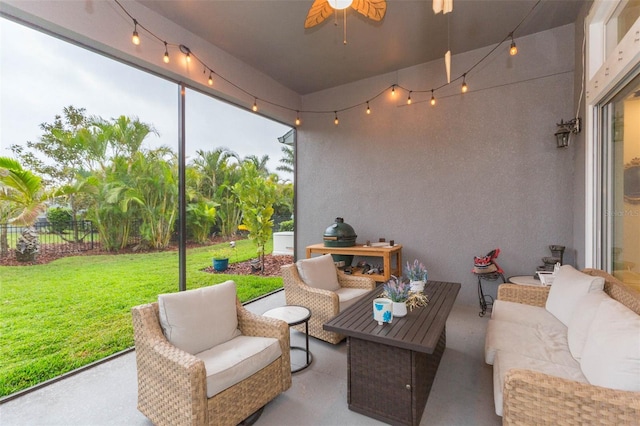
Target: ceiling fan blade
{"points": [[320, 10], [372, 9]]}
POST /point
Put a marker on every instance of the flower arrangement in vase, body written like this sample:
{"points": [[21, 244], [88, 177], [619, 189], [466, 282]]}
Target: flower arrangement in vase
{"points": [[397, 290], [417, 275]]}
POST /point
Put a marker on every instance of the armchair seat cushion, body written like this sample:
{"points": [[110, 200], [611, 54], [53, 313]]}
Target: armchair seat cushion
{"points": [[347, 296], [237, 359]]}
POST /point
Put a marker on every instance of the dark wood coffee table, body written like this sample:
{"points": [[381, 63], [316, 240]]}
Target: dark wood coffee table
{"points": [[391, 367]]}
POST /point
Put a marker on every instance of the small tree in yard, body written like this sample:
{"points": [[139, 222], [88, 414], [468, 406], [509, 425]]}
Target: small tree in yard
{"points": [[257, 196]]}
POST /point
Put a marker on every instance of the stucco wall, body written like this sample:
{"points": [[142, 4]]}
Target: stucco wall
{"points": [[476, 172]]}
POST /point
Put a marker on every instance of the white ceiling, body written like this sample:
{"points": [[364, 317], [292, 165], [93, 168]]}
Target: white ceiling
{"points": [[270, 36]]}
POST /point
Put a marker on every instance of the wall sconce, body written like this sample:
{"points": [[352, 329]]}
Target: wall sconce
{"points": [[565, 128]]}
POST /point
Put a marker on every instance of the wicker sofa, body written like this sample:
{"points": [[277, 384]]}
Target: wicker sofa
{"points": [[546, 393], [173, 383]]}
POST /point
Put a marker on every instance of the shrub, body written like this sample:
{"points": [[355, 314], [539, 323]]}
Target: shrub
{"points": [[286, 225], [59, 219]]}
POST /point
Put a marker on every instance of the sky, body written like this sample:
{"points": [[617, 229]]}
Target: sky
{"points": [[40, 74]]}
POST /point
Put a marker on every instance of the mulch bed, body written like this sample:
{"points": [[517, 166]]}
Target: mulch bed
{"points": [[272, 266]]}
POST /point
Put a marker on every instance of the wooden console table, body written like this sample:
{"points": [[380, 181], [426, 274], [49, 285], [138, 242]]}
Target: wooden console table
{"points": [[391, 367], [387, 253]]}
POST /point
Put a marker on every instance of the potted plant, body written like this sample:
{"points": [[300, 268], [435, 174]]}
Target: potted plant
{"points": [[417, 275], [397, 290], [221, 258]]}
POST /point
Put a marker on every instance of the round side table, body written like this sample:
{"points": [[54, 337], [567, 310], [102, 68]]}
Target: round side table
{"points": [[525, 280], [294, 315]]}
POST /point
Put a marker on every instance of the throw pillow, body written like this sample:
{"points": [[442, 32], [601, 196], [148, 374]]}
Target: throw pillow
{"points": [[611, 354], [197, 320], [319, 272], [581, 320], [568, 287]]}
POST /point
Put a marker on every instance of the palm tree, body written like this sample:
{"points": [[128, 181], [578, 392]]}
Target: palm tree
{"points": [[287, 161], [26, 199], [260, 164]]}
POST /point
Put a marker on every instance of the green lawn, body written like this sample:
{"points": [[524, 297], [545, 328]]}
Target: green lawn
{"points": [[60, 316]]}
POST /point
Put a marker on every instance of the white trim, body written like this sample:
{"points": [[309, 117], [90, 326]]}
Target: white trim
{"points": [[604, 74]]}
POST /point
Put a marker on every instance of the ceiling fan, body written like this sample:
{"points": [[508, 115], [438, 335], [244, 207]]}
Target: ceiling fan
{"points": [[321, 9]]}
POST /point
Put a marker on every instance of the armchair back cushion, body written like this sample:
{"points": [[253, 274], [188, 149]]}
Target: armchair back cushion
{"points": [[197, 320], [569, 286], [319, 272]]}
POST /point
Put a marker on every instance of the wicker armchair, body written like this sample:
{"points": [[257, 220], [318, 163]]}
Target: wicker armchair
{"points": [[171, 382], [323, 304], [536, 398]]}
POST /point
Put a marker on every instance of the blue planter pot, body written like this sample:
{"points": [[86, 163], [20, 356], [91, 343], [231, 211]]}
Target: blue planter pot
{"points": [[220, 264]]}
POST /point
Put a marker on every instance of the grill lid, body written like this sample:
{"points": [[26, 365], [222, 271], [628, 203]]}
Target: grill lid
{"points": [[340, 231]]}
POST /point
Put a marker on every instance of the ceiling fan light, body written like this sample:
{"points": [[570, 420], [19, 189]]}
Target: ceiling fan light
{"points": [[340, 4]]}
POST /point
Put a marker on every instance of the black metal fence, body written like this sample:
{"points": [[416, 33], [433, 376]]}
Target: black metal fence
{"points": [[67, 237]]}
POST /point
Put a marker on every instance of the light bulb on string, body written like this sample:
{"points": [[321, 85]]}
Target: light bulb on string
{"points": [[210, 79], [335, 120], [187, 52], [409, 99], [135, 38], [368, 109], [298, 118], [255, 105], [393, 90], [166, 54], [465, 88], [433, 98], [513, 50]]}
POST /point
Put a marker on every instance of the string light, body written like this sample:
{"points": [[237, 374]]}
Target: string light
{"points": [[135, 38], [513, 50], [166, 54]]}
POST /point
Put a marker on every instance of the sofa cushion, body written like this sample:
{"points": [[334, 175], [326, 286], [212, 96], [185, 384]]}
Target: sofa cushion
{"points": [[568, 287], [581, 320], [319, 272], [506, 360], [611, 354], [542, 342], [347, 296], [523, 314], [196, 320], [235, 360]]}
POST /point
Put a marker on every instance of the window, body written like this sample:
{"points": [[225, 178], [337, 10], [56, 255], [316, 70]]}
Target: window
{"points": [[620, 137]]}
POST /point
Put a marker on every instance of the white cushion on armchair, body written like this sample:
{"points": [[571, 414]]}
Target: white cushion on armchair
{"points": [[319, 272], [197, 320]]}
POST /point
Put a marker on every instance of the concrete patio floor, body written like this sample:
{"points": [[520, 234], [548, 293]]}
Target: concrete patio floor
{"points": [[462, 393]]}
